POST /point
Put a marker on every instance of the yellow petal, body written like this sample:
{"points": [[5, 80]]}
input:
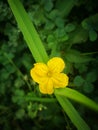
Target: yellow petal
{"points": [[41, 69], [56, 65], [46, 87], [34, 76], [60, 80], [39, 72]]}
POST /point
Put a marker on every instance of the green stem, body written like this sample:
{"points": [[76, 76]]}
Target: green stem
{"points": [[89, 53], [41, 99]]}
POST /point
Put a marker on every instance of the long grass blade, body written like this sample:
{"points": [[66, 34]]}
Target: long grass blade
{"points": [[30, 34], [72, 113], [78, 97]]}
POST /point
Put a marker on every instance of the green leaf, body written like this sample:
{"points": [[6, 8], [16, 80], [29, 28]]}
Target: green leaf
{"points": [[18, 82], [53, 14], [92, 35], [32, 110], [61, 35], [81, 67], [49, 25], [65, 7], [27, 61], [50, 38], [48, 5], [85, 25], [70, 27], [72, 113], [78, 80], [78, 97], [52, 44], [91, 76], [79, 35], [20, 113], [68, 68], [59, 22], [74, 56], [88, 87], [18, 97], [30, 34], [91, 22]]}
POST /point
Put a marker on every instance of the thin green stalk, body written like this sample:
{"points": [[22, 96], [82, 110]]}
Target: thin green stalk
{"points": [[41, 99], [20, 73], [89, 53]]}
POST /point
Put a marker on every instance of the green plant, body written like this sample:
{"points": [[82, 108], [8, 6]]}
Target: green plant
{"points": [[67, 32], [40, 55]]}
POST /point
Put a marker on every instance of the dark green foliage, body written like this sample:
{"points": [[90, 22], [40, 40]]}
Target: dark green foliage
{"points": [[68, 29]]}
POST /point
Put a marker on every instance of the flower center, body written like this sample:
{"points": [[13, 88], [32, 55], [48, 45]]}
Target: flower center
{"points": [[49, 74]]}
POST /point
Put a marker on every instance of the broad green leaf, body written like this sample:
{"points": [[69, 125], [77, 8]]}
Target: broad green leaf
{"points": [[72, 113], [30, 34], [78, 97]]}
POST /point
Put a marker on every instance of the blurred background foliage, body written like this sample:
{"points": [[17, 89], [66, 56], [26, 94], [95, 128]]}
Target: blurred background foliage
{"points": [[68, 28]]}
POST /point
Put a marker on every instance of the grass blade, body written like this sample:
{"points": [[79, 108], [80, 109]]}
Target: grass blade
{"points": [[72, 113], [30, 34], [78, 97]]}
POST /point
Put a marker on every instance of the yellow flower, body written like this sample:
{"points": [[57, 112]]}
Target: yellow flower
{"points": [[49, 75]]}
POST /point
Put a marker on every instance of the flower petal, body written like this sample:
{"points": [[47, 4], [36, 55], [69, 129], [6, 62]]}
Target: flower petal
{"points": [[60, 80], [41, 69], [46, 87], [56, 65], [38, 73]]}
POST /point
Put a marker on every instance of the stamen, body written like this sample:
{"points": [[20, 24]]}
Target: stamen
{"points": [[49, 74]]}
